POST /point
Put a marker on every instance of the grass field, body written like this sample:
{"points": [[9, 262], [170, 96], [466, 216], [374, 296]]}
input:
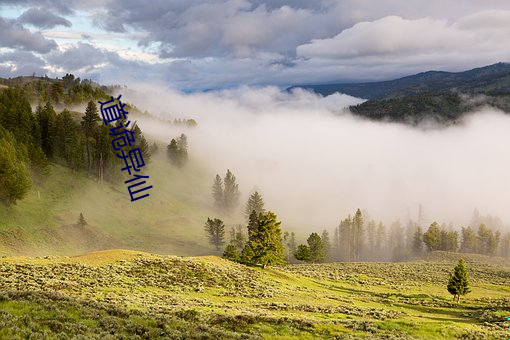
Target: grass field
{"points": [[169, 221], [136, 295]]}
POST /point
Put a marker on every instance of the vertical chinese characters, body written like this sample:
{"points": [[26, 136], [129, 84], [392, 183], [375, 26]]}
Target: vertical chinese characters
{"points": [[123, 138]]}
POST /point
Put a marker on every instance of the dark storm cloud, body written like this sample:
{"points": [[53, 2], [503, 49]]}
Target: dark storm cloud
{"points": [[16, 36], [42, 18]]}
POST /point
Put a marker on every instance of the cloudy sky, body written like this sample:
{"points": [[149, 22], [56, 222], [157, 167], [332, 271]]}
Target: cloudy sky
{"points": [[199, 44]]}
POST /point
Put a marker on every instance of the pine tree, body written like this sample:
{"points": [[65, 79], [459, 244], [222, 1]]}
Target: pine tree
{"points": [[357, 234], [418, 241], [458, 283], [345, 231], [303, 253], [266, 241], [316, 247], [255, 203], [237, 237], [81, 221], [215, 230], [231, 253], [89, 123], [247, 254], [432, 237], [217, 193], [326, 243], [470, 242], [231, 192], [14, 175]]}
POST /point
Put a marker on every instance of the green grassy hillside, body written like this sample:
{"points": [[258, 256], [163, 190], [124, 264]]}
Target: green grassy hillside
{"points": [[138, 295], [169, 221]]}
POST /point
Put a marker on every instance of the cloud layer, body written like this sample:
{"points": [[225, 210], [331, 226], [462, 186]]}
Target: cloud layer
{"points": [[199, 44], [314, 163]]}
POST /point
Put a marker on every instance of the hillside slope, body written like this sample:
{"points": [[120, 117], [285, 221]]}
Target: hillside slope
{"points": [[169, 221], [493, 78], [139, 295]]}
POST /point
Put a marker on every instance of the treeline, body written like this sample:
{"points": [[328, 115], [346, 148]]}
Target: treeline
{"points": [[443, 107], [357, 240], [30, 140], [68, 90]]}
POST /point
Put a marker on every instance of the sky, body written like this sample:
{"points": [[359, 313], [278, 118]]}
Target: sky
{"points": [[194, 45]]}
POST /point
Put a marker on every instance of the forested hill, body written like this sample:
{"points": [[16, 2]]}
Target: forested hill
{"points": [[439, 96], [493, 79]]}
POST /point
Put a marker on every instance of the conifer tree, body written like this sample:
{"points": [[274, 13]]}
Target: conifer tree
{"points": [[88, 124], [303, 253], [14, 175], [217, 192], [231, 192], [215, 231], [81, 220], [255, 203], [316, 247], [231, 253], [418, 241], [357, 234], [458, 284], [266, 241]]}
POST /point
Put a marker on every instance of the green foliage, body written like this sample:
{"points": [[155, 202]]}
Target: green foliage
{"points": [[432, 237], [177, 151], [266, 241], [458, 283], [316, 246], [303, 253], [14, 175], [255, 203], [232, 253], [215, 231]]}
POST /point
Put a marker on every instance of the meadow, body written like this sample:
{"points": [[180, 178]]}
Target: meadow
{"points": [[136, 295]]}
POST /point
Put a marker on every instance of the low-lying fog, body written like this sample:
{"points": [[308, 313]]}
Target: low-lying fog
{"points": [[315, 163]]}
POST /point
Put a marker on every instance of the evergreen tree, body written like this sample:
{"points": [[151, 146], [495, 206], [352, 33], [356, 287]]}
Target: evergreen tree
{"points": [[381, 239], [371, 238], [266, 241], [357, 234], [217, 193], [46, 118], [303, 253], [253, 225], [255, 203], [418, 241], [88, 123], [177, 151], [458, 283], [505, 245], [14, 175], [230, 192], [247, 254], [432, 237], [81, 221], [237, 237], [231, 253], [326, 243], [345, 231], [215, 231], [289, 240], [469, 241], [316, 247]]}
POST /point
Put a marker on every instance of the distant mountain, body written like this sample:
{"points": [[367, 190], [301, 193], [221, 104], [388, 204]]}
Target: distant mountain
{"points": [[493, 79]]}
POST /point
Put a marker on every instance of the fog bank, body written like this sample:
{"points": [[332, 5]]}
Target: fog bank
{"points": [[315, 163]]}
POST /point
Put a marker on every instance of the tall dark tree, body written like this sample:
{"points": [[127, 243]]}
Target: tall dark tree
{"points": [[231, 192], [458, 283], [177, 151], [469, 241], [231, 253], [357, 234], [326, 243], [432, 237], [217, 193], [46, 117], [255, 203], [89, 123], [14, 175], [316, 247], [266, 241], [303, 253], [345, 231], [215, 231]]}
